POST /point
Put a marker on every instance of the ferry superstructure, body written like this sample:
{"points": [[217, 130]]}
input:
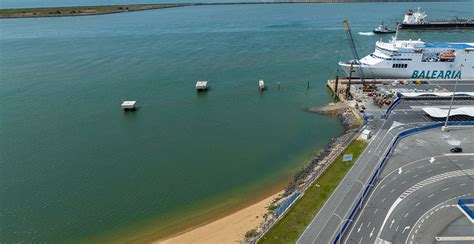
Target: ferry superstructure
{"points": [[415, 59]]}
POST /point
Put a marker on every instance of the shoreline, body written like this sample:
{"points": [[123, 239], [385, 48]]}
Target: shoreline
{"points": [[75, 11], [227, 229], [234, 226]]}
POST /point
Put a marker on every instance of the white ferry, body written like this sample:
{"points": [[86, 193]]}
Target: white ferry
{"points": [[415, 59]]}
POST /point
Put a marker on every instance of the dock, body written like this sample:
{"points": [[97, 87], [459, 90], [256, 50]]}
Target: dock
{"points": [[201, 85], [129, 105], [261, 85], [390, 81]]}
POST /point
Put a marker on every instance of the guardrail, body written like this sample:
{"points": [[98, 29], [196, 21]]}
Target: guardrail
{"points": [[392, 105], [382, 163]]}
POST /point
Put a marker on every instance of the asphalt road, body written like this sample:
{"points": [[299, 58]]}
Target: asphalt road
{"points": [[327, 223], [410, 111], [465, 86], [419, 181]]}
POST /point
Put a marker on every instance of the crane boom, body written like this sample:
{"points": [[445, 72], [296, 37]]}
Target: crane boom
{"points": [[352, 44]]}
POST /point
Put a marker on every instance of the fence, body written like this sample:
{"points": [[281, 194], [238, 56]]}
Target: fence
{"points": [[392, 105], [382, 163], [285, 206]]}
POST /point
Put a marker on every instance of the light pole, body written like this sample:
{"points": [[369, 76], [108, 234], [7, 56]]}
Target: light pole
{"points": [[445, 127], [362, 189], [341, 224]]}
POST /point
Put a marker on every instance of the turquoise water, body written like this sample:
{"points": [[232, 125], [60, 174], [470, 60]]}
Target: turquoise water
{"points": [[74, 166]]}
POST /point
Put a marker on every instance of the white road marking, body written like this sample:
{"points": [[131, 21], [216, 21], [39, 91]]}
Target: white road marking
{"points": [[418, 203], [404, 182], [391, 223], [445, 189], [454, 238], [394, 205], [405, 215], [406, 228], [382, 187], [458, 154], [375, 212], [399, 170], [398, 226], [432, 160], [463, 184], [372, 232], [430, 195], [406, 172], [430, 212], [360, 228], [415, 176]]}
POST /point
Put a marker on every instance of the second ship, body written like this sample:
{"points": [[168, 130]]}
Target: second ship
{"points": [[417, 21]]}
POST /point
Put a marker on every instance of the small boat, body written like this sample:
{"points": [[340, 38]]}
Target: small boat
{"points": [[383, 29]]}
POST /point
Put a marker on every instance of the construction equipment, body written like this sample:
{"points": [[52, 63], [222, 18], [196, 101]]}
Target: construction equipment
{"points": [[355, 55]]}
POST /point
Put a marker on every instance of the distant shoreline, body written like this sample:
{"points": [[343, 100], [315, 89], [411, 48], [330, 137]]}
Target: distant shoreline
{"points": [[80, 10], [104, 9], [114, 9]]}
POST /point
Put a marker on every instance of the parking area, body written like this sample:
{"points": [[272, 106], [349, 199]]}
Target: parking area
{"points": [[414, 198]]}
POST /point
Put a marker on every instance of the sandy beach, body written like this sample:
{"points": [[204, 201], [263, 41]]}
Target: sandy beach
{"points": [[230, 229]]}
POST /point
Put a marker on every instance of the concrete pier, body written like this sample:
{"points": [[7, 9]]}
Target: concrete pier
{"points": [[129, 105], [261, 85], [201, 85]]}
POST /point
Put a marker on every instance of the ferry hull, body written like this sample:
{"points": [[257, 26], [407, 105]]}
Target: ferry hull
{"points": [[437, 26], [388, 73]]}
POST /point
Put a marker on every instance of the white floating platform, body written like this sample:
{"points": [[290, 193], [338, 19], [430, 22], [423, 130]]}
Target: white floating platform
{"points": [[261, 85], [201, 85], [129, 105]]}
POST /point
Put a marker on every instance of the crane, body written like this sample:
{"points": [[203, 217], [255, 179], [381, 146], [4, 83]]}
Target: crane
{"points": [[355, 55]]}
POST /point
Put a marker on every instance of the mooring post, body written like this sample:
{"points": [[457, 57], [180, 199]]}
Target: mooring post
{"points": [[348, 85], [307, 87], [278, 85], [335, 86]]}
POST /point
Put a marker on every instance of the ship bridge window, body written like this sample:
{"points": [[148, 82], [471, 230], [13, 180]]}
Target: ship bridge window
{"points": [[375, 56], [402, 66], [396, 59]]}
